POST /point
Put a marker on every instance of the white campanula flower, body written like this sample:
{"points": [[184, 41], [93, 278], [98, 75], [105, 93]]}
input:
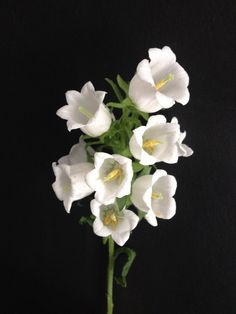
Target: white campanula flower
{"points": [[160, 82], [110, 221], [111, 177], [153, 194], [70, 172], [183, 149], [155, 142], [86, 111]]}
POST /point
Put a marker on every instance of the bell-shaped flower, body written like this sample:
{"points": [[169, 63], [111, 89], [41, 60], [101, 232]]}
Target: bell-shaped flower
{"points": [[70, 173], [110, 221], [111, 177], [160, 82], [183, 149], [86, 111], [155, 142], [153, 194], [77, 154]]}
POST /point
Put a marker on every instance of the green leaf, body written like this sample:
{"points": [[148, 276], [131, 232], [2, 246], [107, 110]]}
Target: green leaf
{"points": [[128, 103], [146, 170], [121, 280], [145, 115], [126, 152], [115, 89], [141, 214], [121, 202], [87, 220], [137, 166], [104, 240], [115, 105], [122, 84]]}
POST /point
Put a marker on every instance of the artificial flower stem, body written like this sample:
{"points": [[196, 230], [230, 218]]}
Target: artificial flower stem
{"points": [[110, 276]]}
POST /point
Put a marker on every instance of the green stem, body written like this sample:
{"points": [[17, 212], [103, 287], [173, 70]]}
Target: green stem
{"points": [[110, 276]]}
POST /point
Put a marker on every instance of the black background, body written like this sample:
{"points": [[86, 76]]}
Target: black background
{"points": [[50, 263]]}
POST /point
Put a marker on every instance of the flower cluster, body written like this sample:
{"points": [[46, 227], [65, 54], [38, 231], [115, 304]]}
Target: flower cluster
{"points": [[116, 158]]}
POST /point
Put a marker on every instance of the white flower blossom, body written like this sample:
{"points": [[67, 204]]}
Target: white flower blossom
{"points": [[183, 149], [155, 142], [111, 177], [160, 82], [70, 172], [110, 221], [86, 111], [153, 194]]}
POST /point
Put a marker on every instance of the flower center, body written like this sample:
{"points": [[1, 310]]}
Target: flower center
{"points": [[163, 82], [114, 175], [110, 218], [66, 187], [85, 112], [156, 196], [149, 145]]}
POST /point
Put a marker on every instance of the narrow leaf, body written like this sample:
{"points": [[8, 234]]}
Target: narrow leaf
{"points": [[121, 202], [87, 220], [146, 170], [121, 280], [115, 105], [137, 166], [122, 84], [145, 115], [141, 214], [115, 89], [104, 240]]}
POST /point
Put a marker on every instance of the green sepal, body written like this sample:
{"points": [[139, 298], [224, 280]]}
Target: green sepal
{"points": [[115, 105], [124, 201], [131, 254], [146, 170], [104, 240], [87, 220], [122, 84], [115, 89], [145, 115], [137, 166], [121, 202], [141, 214]]}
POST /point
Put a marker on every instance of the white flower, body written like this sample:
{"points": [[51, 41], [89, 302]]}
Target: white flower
{"points": [[76, 155], [155, 142], [153, 194], [183, 149], [86, 111], [111, 177], [160, 82], [110, 221], [70, 184]]}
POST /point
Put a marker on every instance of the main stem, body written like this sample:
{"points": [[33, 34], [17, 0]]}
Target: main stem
{"points": [[110, 276]]}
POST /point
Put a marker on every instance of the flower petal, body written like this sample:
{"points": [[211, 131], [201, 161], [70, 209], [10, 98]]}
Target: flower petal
{"points": [[95, 207], [165, 208], [144, 71], [151, 218], [120, 238], [156, 120], [143, 94], [167, 185], [99, 228], [139, 188]]}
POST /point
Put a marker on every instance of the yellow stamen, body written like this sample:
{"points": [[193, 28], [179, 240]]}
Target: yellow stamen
{"points": [[85, 112], [156, 196], [66, 187], [113, 175], [110, 218], [149, 145], [162, 83]]}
